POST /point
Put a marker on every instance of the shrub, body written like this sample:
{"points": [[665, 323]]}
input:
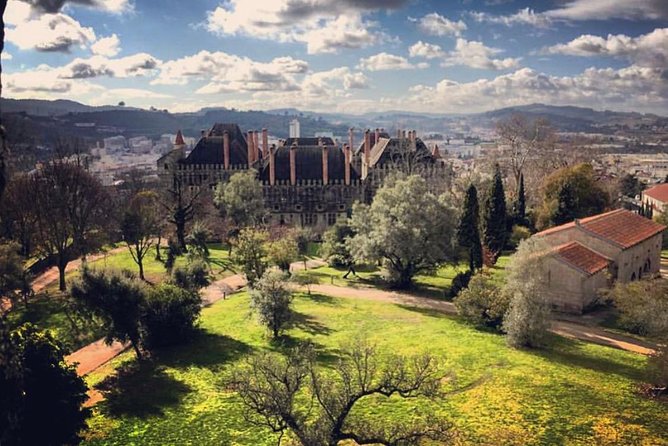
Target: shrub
{"points": [[271, 299], [192, 276], [459, 282], [643, 305], [170, 315], [482, 303], [518, 234]]}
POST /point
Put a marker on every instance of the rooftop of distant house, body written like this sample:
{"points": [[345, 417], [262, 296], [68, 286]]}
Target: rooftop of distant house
{"points": [[581, 258], [658, 192]]}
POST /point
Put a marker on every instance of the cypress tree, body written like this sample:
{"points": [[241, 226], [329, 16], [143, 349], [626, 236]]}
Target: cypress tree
{"points": [[566, 205], [468, 233], [520, 204], [495, 217]]}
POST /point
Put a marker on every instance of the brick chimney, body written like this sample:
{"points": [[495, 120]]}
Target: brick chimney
{"points": [[351, 140], [256, 146], [399, 134], [376, 136], [226, 149], [346, 154], [249, 143], [272, 165], [436, 153], [265, 143], [325, 165], [367, 146], [293, 164]]}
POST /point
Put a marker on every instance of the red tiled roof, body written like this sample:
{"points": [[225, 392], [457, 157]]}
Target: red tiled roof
{"points": [[581, 257], [179, 139], [659, 192], [621, 227]]}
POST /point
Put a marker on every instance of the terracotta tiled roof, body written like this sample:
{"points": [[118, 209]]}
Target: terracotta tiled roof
{"points": [[581, 257], [659, 192], [621, 227], [179, 139]]}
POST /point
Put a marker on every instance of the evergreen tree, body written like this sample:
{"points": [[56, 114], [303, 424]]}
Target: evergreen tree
{"points": [[519, 208], [566, 205], [494, 217], [468, 232]]}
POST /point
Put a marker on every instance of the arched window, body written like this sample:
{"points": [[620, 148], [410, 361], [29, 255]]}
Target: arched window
{"points": [[648, 265], [633, 276]]}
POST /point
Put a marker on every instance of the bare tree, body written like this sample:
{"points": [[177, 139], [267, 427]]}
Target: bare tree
{"points": [[140, 225], [180, 204], [19, 212], [276, 392]]}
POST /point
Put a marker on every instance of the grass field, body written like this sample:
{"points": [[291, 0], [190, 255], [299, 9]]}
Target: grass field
{"points": [[569, 394], [52, 310]]}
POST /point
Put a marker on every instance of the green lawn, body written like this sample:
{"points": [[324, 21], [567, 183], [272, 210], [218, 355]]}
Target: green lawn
{"points": [[570, 394]]}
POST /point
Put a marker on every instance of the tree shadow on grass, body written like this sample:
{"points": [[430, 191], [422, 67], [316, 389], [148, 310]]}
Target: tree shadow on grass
{"points": [[204, 349], [570, 352], [285, 343], [321, 298], [426, 311], [309, 324], [141, 390]]}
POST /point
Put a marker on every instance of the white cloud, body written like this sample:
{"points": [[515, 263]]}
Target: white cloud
{"points": [[475, 54], [6, 56], [426, 50], [140, 64], [437, 25], [107, 46], [526, 16], [646, 50], [49, 32], [53, 6], [324, 26], [385, 61]]}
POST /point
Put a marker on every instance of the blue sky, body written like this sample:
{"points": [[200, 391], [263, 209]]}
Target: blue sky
{"points": [[346, 56]]}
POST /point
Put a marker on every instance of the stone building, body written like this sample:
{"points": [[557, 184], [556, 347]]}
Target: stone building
{"points": [[657, 197], [306, 181], [589, 254]]}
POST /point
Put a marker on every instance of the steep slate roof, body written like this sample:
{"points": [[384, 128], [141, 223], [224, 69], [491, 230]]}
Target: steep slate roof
{"points": [[309, 141], [372, 140], [381, 153], [308, 164], [581, 258], [659, 192], [620, 227], [209, 149]]}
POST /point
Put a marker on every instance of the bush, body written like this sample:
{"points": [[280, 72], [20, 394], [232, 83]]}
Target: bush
{"points": [[459, 282], [170, 315], [272, 299], [192, 276], [518, 234], [482, 303], [283, 252], [643, 306]]}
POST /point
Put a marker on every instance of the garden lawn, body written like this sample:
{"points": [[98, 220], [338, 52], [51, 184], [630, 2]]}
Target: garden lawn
{"points": [[570, 394]]}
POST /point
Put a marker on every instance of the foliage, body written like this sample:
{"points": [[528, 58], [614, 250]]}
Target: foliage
{"points": [[643, 305], [169, 315], [282, 252], [519, 205], [630, 186], [306, 280], [45, 407], [663, 219], [180, 204], [271, 299], [303, 236], [197, 240], [192, 276], [117, 300], [173, 251], [494, 217], [250, 252], [19, 213], [14, 280], [460, 282], [140, 225], [657, 365], [483, 302], [519, 233], [271, 387], [584, 195], [468, 230], [406, 227], [240, 199], [334, 247], [528, 317]]}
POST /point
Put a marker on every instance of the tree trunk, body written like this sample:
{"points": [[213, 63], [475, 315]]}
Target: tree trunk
{"points": [[181, 235], [62, 264], [140, 262], [135, 347], [158, 257]]}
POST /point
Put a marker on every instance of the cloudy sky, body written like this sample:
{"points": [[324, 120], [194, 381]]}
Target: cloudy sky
{"points": [[340, 55]]}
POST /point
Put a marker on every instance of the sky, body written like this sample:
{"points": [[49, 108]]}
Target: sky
{"points": [[349, 56]]}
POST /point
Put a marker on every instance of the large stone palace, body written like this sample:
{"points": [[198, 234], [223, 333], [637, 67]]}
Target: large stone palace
{"points": [[306, 181]]}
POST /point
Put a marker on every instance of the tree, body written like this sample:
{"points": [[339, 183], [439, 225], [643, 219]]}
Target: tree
{"points": [[169, 315], [14, 279], [406, 227], [482, 303], [197, 240], [117, 300], [334, 245], [630, 186], [241, 200], [519, 206], [306, 280], [566, 206], [180, 206], [140, 225], [293, 395], [495, 230], [528, 317], [19, 212], [662, 218], [250, 252], [45, 407], [193, 276], [69, 205], [643, 305], [282, 252], [525, 140], [271, 299], [468, 232], [588, 195]]}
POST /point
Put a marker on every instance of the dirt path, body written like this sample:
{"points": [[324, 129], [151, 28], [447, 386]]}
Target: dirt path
{"points": [[567, 329]]}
